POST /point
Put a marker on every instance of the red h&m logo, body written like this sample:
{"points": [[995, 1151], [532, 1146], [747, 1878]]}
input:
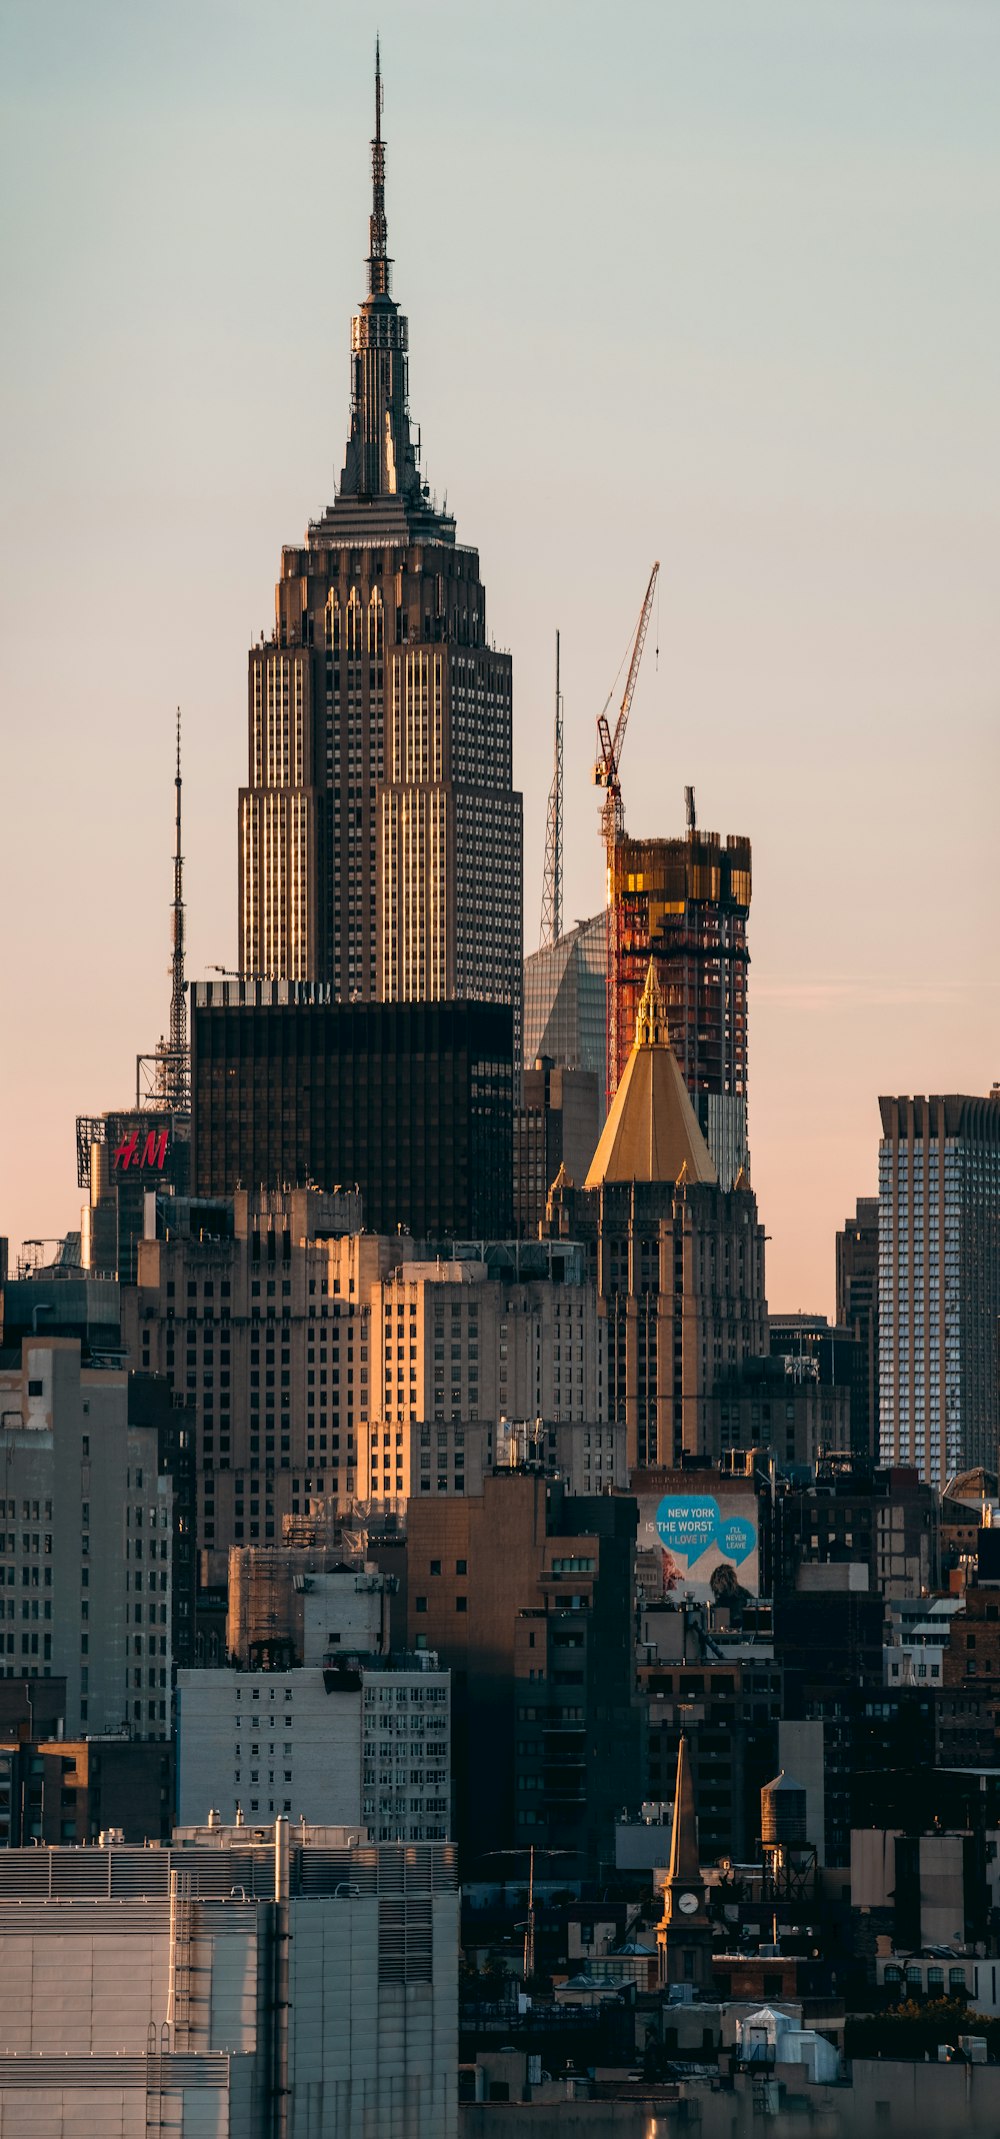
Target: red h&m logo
{"points": [[153, 1153]]}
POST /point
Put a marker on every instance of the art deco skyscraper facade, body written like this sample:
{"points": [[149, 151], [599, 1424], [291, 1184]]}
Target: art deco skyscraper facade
{"points": [[380, 836]]}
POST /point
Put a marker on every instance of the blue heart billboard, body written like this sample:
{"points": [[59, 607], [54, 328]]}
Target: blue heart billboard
{"points": [[702, 1536]]}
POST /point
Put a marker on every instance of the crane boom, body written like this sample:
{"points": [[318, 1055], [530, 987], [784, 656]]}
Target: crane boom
{"points": [[607, 774], [633, 667], [609, 747]]}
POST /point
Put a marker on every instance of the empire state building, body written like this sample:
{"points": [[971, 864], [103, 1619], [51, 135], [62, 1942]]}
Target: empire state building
{"points": [[380, 835]]}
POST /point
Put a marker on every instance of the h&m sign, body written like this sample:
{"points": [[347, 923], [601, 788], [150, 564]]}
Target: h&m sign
{"points": [[142, 1151]]}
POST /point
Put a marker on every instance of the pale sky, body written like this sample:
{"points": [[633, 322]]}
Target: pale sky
{"points": [[713, 281]]}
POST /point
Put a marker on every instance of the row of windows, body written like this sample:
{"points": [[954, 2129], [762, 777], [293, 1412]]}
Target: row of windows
{"points": [[913, 1976]]}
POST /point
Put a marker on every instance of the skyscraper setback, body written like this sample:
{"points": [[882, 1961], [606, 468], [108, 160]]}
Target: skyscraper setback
{"points": [[380, 836]]}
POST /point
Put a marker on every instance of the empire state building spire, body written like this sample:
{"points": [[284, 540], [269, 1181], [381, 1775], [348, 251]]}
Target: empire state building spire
{"points": [[380, 460], [378, 262]]}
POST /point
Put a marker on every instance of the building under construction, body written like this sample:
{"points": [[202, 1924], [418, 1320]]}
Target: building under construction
{"points": [[685, 902]]}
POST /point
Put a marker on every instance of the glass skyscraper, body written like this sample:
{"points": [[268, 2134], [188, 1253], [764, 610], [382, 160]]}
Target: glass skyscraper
{"points": [[565, 997]]}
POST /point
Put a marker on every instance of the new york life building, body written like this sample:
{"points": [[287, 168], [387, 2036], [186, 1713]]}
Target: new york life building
{"points": [[678, 1260]]}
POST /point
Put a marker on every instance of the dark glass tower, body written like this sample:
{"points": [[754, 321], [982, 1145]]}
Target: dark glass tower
{"points": [[380, 836]]}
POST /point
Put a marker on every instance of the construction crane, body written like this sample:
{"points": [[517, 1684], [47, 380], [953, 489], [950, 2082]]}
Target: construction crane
{"points": [[552, 883], [607, 774]]}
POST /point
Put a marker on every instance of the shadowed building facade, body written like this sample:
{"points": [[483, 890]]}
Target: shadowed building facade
{"points": [[526, 1594], [379, 833], [557, 1124], [857, 1310], [412, 1102]]}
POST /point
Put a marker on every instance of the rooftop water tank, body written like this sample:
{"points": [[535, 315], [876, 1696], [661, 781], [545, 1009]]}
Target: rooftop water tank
{"points": [[783, 1812]]}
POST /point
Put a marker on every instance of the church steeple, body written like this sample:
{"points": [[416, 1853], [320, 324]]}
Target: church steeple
{"points": [[380, 461], [684, 1865], [684, 1936]]}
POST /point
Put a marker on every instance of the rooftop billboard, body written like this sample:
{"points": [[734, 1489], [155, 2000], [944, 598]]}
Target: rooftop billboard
{"points": [[705, 1543]]}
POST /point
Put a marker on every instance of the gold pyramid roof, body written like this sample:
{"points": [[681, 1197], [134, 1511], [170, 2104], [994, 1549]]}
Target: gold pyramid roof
{"points": [[652, 1131]]}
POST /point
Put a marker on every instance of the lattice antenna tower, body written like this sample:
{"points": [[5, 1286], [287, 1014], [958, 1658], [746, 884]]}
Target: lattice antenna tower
{"points": [[552, 883], [378, 258], [178, 996], [164, 1078]]}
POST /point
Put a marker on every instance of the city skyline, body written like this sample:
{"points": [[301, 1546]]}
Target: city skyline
{"points": [[823, 506]]}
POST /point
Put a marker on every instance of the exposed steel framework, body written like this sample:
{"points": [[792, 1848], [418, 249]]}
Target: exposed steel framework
{"points": [[607, 774], [686, 902]]}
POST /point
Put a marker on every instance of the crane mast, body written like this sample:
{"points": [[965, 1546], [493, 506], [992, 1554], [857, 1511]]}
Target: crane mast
{"points": [[607, 774]]}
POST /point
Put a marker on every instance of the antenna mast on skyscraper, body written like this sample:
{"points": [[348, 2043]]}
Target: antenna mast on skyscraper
{"points": [[378, 283], [164, 1079], [552, 885], [178, 997]]}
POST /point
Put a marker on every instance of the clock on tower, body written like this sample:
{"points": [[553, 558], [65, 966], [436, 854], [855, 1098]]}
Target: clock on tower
{"points": [[684, 1937]]}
